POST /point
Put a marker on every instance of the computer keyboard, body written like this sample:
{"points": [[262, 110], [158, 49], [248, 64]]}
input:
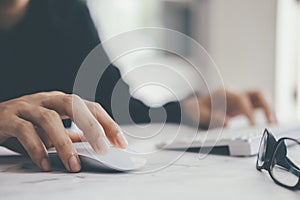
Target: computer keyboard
{"points": [[240, 141]]}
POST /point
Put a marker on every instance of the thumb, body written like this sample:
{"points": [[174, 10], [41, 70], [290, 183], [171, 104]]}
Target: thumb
{"points": [[219, 119]]}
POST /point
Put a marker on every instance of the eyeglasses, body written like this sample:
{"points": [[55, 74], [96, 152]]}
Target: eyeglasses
{"points": [[281, 159]]}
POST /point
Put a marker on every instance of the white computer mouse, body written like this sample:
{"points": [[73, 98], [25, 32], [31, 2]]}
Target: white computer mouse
{"points": [[115, 159]]}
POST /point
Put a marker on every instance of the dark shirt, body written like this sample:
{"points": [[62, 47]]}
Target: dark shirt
{"points": [[45, 50]]}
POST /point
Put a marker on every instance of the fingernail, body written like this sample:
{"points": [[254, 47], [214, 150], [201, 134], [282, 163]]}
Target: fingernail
{"points": [[123, 143], [74, 164], [101, 146], [45, 164]]}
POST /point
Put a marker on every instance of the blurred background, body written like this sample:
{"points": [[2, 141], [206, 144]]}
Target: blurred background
{"points": [[254, 43]]}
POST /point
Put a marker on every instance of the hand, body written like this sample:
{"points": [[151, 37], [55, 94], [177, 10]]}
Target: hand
{"points": [[35, 121], [243, 103]]}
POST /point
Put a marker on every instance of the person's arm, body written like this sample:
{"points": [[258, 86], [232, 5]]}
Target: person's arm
{"points": [[80, 45], [243, 103], [34, 122]]}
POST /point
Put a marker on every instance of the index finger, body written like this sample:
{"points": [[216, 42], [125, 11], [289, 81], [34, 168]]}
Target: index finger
{"points": [[75, 108], [259, 101], [112, 130], [246, 108]]}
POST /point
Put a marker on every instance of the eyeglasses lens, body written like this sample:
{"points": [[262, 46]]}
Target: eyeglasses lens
{"points": [[286, 162]]}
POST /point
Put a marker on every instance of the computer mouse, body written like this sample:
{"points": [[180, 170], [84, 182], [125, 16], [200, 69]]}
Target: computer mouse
{"points": [[121, 160]]}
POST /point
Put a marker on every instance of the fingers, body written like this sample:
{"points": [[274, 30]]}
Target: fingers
{"points": [[30, 140], [76, 137], [236, 104], [49, 121], [40, 126], [258, 101], [246, 108], [112, 130], [75, 108], [246, 103]]}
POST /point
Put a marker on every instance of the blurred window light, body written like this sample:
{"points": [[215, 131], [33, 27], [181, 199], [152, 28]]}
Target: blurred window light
{"points": [[298, 60], [286, 67]]}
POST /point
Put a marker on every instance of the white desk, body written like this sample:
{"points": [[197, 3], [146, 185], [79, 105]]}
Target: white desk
{"points": [[189, 178]]}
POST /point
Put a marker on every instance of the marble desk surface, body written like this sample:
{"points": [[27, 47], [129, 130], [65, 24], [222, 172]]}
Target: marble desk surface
{"points": [[189, 178]]}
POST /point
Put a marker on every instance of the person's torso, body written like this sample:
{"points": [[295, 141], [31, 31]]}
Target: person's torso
{"points": [[41, 52]]}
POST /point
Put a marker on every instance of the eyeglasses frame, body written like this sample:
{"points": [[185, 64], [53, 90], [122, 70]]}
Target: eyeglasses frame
{"points": [[269, 156]]}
